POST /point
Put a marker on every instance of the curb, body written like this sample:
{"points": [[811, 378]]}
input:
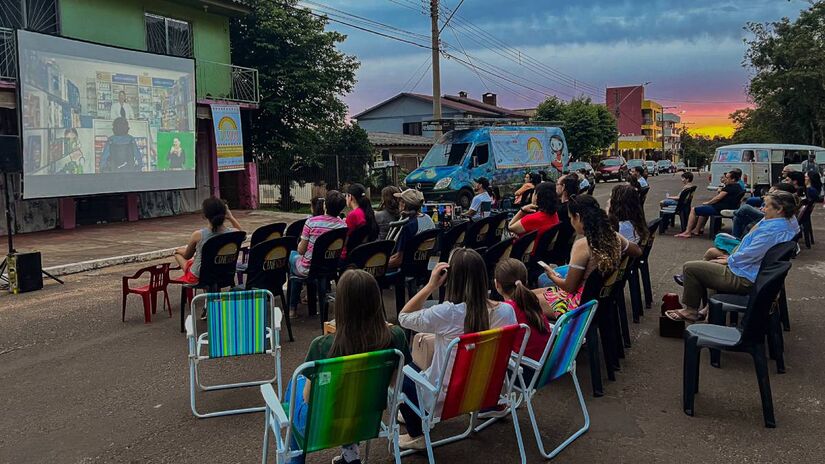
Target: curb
{"points": [[94, 264]]}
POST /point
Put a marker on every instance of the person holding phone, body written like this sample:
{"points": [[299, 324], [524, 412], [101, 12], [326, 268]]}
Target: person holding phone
{"points": [[600, 248]]}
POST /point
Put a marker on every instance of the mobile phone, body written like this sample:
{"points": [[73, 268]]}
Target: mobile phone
{"points": [[432, 263], [547, 266]]}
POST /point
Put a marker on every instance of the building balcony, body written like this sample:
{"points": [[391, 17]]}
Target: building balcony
{"points": [[221, 82]]}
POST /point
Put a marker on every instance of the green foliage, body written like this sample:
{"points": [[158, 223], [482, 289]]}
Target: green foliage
{"points": [[588, 128], [351, 145], [698, 150], [788, 60], [301, 76]]}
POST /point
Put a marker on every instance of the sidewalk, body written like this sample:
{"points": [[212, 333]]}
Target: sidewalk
{"points": [[97, 246]]}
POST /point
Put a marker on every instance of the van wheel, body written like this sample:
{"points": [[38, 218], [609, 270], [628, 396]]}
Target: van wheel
{"points": [[464, 199]]}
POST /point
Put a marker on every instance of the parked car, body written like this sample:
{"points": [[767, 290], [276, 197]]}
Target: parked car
{"points": [[652, 167], [614, 167], [681, 167], [665, 166]]}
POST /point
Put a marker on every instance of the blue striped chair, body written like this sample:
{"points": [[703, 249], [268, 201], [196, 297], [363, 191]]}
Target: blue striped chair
{"points": [[236, 325], [558, 359]]}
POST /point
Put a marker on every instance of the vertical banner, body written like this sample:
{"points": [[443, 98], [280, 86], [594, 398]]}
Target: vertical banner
{"points": [[226, 120]]}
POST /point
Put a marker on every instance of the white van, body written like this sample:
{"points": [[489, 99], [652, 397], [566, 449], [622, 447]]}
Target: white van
{"points": [[761, 163]]}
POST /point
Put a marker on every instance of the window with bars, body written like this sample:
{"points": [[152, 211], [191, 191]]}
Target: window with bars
{"points": [[412, 128], [34, 15], [168, 36]]}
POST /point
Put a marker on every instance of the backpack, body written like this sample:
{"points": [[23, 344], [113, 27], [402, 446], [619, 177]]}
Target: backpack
{"points": [[121, 156]]}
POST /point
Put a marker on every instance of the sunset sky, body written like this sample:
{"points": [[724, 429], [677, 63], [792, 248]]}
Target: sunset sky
{"points": [[691, 53]]}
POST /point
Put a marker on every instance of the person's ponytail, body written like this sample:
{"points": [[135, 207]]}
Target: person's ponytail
{"points": [[511, 274], [214, 210]]}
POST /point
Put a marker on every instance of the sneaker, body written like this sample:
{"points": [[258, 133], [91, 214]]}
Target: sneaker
{"points": [[415, 443], [293, 314], [679, 279], [341, 460], [400, 418]]}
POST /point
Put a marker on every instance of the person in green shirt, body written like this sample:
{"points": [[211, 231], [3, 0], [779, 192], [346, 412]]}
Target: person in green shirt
{"points": [[360, 328]]}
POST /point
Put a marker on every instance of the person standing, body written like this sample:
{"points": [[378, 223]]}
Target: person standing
{"points": [[121, 108]]}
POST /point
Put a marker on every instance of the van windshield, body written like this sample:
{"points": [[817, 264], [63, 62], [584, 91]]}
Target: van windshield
{"points": [[445, 154]]}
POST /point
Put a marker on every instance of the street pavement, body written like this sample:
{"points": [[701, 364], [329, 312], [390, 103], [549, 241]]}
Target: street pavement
{"points": [[77, 385]]}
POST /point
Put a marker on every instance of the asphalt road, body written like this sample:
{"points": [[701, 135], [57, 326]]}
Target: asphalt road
{"points": [[79, 385]]}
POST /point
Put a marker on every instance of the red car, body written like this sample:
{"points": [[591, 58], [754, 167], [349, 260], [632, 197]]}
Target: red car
{"points": [[614, 167]]}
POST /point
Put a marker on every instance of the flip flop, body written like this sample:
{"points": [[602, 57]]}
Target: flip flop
{"points": [[678, 315], [683, 236]]}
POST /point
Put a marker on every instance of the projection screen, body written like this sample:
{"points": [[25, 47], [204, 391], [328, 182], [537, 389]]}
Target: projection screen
{"points": [[98, 119]]}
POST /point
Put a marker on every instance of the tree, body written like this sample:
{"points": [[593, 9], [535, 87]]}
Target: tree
{"points": [[588, 128], [755, 125], [788, 60], [301, 76], [351, 145], [698, 150]]}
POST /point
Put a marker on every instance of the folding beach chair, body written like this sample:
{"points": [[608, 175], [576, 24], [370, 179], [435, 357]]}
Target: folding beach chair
{"points": [[347, 399], [478, 381], [236, 326], [558, 359]]}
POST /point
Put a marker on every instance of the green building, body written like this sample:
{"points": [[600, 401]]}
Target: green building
{"points": [[197, 29]]}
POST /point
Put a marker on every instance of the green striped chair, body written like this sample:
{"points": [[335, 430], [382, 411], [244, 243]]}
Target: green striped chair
{"points": [[558, 360], [347, 399], [236, 325]]}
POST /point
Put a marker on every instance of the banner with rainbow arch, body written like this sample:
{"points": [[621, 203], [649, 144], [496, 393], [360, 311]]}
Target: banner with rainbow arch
{"points": [[226, 120]]}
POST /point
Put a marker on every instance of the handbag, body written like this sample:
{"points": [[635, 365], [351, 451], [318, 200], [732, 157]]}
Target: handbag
{"points": [[423, 347]]}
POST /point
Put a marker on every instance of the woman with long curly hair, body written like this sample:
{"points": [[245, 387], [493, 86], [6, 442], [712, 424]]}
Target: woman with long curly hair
{"points": [[624, 209], [600, 249]]}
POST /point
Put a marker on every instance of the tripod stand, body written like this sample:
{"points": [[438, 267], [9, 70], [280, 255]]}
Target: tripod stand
{"points": [[4, 265]]}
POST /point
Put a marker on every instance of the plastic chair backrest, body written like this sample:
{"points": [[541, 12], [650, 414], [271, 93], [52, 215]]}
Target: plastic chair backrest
{"points": [[545, 244], [494, 254], [593, 286], [373, 257], [347, 398], [268, 264], [485, 207], [236, 323], [780, 252], [527, 197], [523, 247], [479, 368], [357, 237], [566, 236], [267, 232], [295, 228], [417, 253], [452, 238], [476, 235], [219, 258], [157, 277], [647, 246], [805, 212], [497, 223], [326, 252], [761, 302], [565, 342]]}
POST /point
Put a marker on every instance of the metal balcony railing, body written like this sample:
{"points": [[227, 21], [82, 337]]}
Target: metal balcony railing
{"points": [[8, 55], [221, 81]]}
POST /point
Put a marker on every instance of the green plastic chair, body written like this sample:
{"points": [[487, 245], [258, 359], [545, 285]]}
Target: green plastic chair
{"points": [[347, 399]]}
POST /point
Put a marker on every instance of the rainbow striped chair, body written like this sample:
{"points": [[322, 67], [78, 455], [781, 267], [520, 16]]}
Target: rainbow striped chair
{"points": [[479, 381], [558, 359], [347, 399], [236, 326]]}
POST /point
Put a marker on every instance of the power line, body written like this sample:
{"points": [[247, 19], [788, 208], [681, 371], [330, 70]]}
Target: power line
{"points": [[353, 17], [467, 55], [429, 66], [447, 22]]}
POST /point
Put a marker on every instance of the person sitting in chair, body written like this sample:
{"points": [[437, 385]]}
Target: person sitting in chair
{"points": [[531, 180], [687, 182], [188, 257], [540, 215], [301, 259], [409, 201], [482, 191], [736, 273], [727, 198]]}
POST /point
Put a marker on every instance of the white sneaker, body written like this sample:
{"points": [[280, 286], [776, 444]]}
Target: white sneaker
{"points": [[400, 418], [407, 442]]}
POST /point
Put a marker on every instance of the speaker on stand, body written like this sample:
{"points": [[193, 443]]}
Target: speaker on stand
{"points": [[24, 271]]}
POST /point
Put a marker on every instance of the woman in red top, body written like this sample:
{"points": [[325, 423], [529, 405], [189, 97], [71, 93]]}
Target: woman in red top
{"points": [[362, 215], [539, 215], [510, 278]]}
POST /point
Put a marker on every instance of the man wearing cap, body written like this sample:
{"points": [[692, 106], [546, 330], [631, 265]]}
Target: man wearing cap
{"points": [[409, 202], [482, 191]]}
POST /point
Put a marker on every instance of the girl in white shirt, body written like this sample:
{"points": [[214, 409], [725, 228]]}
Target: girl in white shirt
{"points": [[466, 309]]}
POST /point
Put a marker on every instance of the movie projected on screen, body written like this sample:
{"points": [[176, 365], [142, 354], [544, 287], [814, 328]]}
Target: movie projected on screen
{"points": [[98, 119]]}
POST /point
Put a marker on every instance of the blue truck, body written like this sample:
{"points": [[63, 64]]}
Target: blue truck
{"points": [[501, 154]]}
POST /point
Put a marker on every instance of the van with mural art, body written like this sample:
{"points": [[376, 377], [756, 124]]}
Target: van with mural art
{"points": [[501, 154], [761, 163]]}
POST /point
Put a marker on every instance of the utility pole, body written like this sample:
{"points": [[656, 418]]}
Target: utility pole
{"points": [[436, 50]]}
